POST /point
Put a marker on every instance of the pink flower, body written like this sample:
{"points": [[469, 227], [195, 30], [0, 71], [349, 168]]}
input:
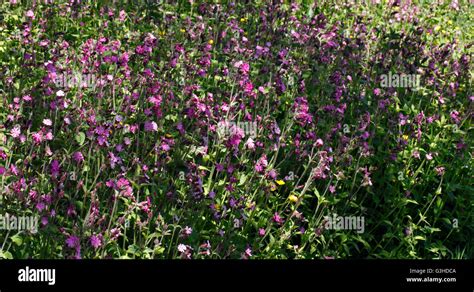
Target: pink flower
{"points": [[277, 219], [247, 253], [261, 164], [416, 154], [15, 132], [244, 67], [250, 144], [115, 233], [248, 87], [49, 136], [165, 147], [429, 156], [455, 117], [187, 231], [37, 137], [114, 160], [439, 170], [47, 122], [182, 248], [30, 14], [319, 143], [110, 183], [238, 64], [122, 15], [122, 183]]}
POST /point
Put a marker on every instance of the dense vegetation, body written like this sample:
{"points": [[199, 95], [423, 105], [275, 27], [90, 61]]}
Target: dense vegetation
{"points": [[226, 129]]}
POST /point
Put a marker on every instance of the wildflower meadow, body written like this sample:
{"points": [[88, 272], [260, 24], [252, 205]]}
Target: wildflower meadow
{"points": [[236, 129]]}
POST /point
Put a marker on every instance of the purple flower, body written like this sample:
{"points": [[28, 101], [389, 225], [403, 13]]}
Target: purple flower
{"points": [[72, 241], [272, 174], [219, 167], [207, 248], [96, 241], [55, 168], [40, 206], [261, 164], [455, 117], [115, 233], [114, 160], [402, 119], [78, 157], [151, 126]]}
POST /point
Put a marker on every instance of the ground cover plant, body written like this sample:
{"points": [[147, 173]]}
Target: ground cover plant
{"points": [[236, 129]]}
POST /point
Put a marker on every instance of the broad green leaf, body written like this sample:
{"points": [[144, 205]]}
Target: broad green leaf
{"points": [[80, 138]]}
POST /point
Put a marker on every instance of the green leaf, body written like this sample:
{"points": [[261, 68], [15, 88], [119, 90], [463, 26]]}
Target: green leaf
{"points": [[316, 192], [243, 179], [6, 255], [17, 239], [159, 250], [80, 138], [200, 167]]}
